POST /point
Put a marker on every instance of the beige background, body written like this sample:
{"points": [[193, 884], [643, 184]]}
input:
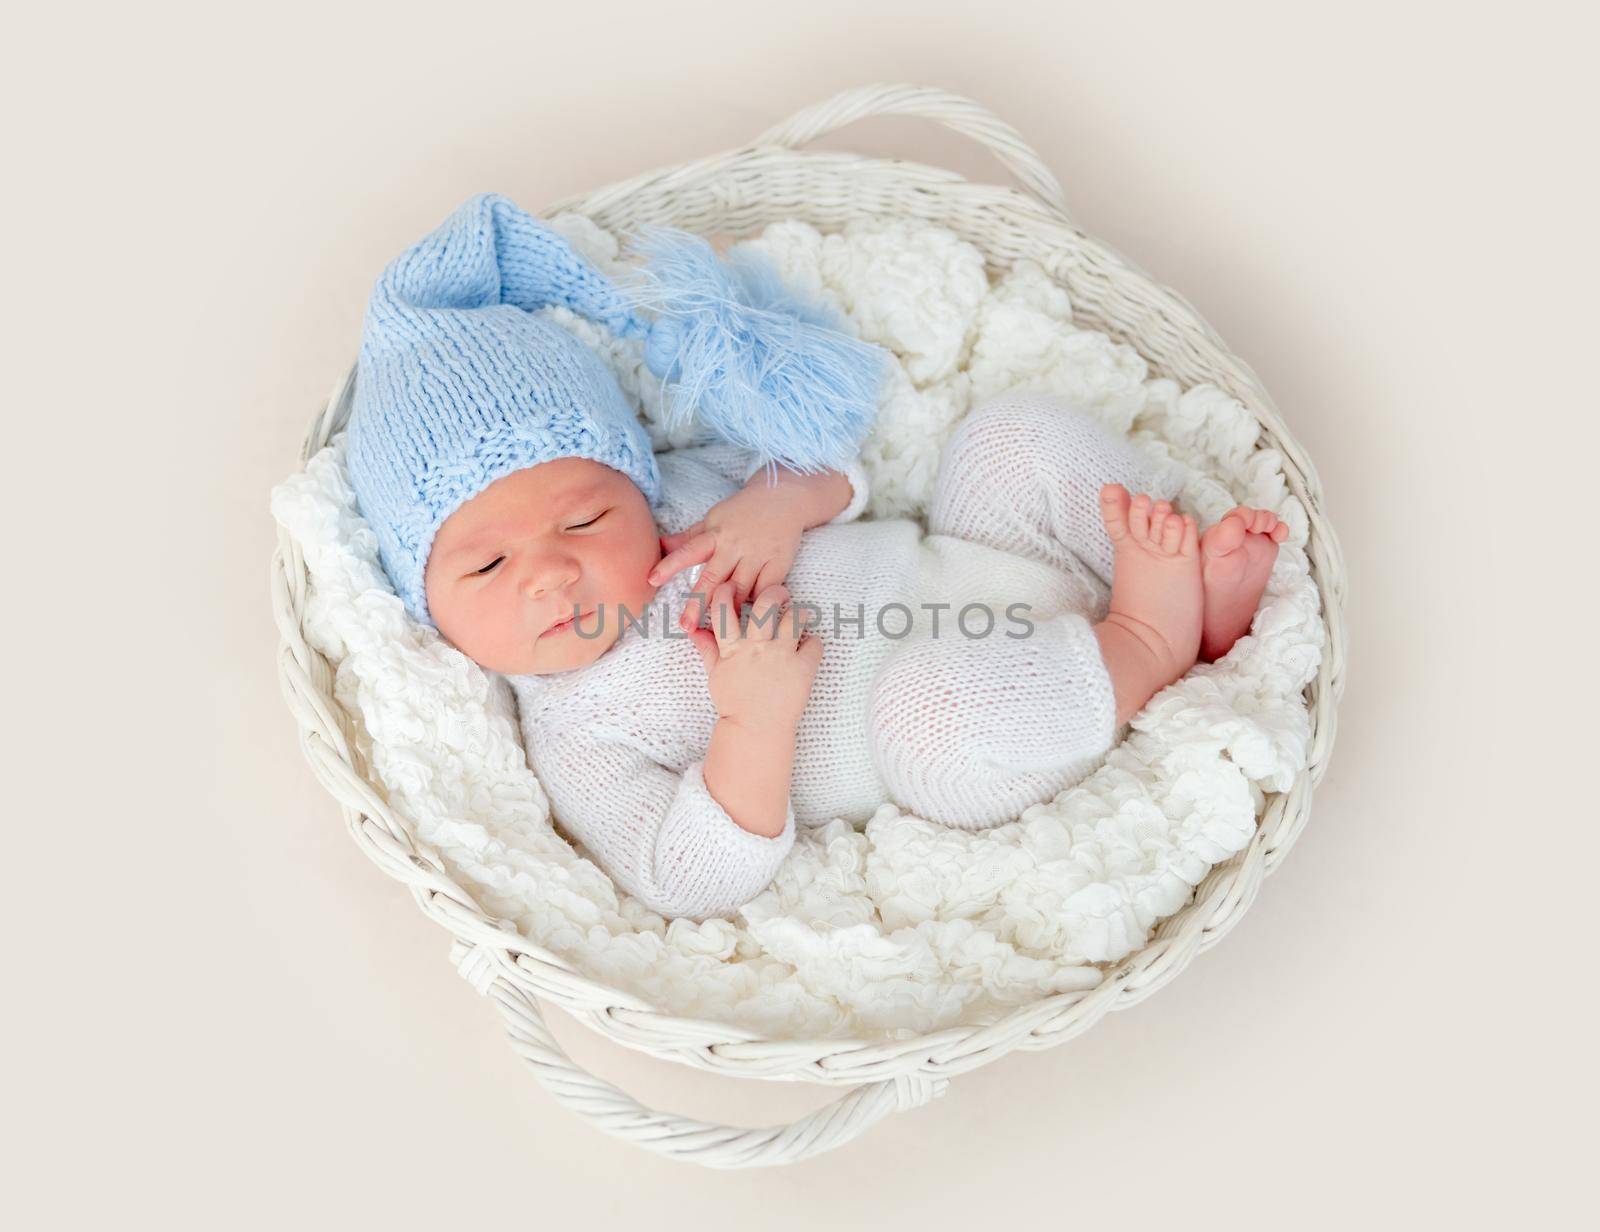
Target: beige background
{"points": [[223, 1015]]}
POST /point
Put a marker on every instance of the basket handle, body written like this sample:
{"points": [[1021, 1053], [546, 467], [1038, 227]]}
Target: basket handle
{"points": [[954, 111], [615, 1112]]}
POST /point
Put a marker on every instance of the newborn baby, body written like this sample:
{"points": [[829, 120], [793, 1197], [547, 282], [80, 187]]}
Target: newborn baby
{"points": [[964, 674]]}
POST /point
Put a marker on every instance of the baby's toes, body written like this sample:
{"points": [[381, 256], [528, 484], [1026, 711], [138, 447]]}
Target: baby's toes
{"points": [[1269, 524], [1226, 536], [1172, 531], [1190, 545], [1280, 532], [1114, 510], [1139, 517]]}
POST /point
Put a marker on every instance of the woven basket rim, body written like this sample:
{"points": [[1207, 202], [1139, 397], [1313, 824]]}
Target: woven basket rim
{"points": [[1226, 890]]}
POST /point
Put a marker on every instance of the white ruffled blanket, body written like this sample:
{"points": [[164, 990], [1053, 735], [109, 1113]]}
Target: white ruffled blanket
{"points": [[905, 926]]}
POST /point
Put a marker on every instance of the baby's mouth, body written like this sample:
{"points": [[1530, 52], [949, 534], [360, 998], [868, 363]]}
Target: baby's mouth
{"points": [[562, 626]]}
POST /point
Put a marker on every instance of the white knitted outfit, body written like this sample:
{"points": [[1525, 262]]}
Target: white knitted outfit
{"points": [[960, 728]]}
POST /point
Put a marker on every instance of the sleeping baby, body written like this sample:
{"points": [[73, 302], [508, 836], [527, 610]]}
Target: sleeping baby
{"points": [[708, 646]]}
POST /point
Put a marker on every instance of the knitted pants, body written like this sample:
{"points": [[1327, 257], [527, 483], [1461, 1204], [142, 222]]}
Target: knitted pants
{"points": [[970, 731]]}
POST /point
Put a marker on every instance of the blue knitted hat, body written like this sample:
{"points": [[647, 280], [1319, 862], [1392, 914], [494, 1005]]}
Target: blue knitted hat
{"points": [[459, 384]]}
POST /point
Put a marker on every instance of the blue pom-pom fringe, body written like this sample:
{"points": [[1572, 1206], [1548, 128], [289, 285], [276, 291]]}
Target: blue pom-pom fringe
{"points": [[761, 367]]}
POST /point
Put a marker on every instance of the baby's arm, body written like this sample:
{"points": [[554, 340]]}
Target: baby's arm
{"points": [[697, 477], [759, 675], [748, 768], [842, 495], [663, 836]]}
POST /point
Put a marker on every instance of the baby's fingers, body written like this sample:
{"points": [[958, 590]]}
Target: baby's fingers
{"points": [[743, 576], [786, 623], [694, 551], [678, 538], [791, 632], [712, 575], [773, 573], [767, 611], [705, 641], [724, 617]]}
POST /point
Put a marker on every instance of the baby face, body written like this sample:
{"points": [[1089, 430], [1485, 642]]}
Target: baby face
{"points": [[510, 567]]}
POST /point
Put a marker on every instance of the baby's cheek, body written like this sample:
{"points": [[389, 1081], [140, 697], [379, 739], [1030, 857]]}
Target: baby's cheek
{"points": [[522, 641], [499, 636]]}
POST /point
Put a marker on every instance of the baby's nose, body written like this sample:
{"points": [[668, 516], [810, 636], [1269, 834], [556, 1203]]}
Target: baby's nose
{"points": [[546, 579]]}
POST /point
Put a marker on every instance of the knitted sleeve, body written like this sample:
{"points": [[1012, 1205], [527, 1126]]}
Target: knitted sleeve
{"points": [[660, 835]]}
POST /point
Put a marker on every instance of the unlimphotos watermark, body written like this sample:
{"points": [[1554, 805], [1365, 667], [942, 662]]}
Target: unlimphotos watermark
{"points": [[891, 620]]}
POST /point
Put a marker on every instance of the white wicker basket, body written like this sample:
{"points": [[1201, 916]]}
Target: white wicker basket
{"points": [[736, 194]]}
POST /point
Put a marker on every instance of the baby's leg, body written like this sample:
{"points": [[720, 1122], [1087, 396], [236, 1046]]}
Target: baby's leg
{"points": [[970, 731], [1023, 473], [1029, 473]]}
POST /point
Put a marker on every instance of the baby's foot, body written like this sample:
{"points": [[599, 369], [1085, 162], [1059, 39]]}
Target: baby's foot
{"points": [[1236, 556], [1152, 633]]}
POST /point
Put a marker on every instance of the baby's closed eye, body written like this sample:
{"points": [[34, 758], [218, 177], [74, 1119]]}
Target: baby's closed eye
{"points": [[490, 567]]}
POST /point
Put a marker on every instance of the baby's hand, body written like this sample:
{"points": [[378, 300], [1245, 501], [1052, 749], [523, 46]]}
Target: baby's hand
{"points": [[750, 539], [760, 672]]}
